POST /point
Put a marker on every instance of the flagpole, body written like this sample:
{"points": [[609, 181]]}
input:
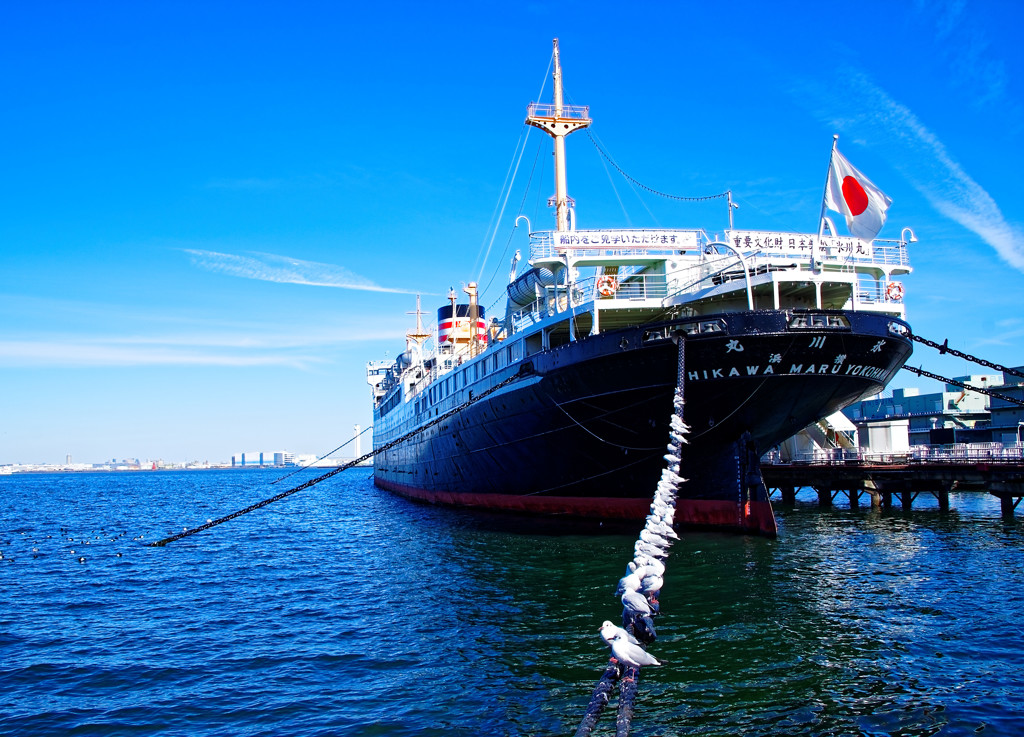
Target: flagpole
{"points": [[824, 193]]}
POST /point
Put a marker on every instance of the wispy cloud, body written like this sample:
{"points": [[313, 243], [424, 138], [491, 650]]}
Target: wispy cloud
{"points": [[878, 120], [973, 61], [67, 353], [153, 340], [285, 270]]}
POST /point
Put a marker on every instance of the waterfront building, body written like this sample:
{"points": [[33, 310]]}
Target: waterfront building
{"points": [[1007, 418], [954, 415]]}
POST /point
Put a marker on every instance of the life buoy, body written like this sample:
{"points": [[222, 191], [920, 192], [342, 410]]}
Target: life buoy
{"points": [[607, 285], [894, 291]]}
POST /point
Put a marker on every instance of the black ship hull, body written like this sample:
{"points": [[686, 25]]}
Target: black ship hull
{"points": [[582, 432]]}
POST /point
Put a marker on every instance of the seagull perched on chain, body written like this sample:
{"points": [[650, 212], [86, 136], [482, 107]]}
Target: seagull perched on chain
{"points": [[651, 584], [626, 648], [629, 582], [636, 602]]}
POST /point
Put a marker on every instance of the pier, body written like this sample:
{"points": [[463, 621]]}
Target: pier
{"points": [[879, 478]]}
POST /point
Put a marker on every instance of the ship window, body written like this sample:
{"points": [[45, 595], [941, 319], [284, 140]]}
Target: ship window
{"points": [[799, 322]]}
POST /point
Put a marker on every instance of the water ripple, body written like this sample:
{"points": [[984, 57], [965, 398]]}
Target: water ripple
{"points": [[345, 610]]}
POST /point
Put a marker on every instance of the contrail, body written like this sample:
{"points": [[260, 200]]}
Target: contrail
{"points": [[927, 164], [285, 270]]}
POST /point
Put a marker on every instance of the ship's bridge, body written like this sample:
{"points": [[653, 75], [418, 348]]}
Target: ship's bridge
{"points": [[608, 278]]}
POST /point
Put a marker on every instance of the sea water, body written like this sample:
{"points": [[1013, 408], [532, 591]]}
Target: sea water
{"points": [[344, 610]]}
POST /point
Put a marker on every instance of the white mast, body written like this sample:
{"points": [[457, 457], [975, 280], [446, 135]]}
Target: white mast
{"points": [[414, 339], [558, 121]]}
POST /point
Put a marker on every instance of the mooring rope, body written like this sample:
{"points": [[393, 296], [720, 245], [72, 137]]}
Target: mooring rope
{"points": [[640, 587], [524, 370]]}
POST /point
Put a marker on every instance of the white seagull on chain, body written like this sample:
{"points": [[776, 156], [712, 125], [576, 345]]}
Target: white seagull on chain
{"points": [[625, 647], [635, 602], [629, 582]]}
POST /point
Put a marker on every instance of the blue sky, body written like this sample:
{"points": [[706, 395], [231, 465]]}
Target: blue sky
{"points": [[214, 214]]}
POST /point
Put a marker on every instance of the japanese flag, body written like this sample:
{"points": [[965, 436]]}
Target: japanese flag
{"points": [[851, 193]]}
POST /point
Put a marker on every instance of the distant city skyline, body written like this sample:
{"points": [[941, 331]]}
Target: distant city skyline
{"points": [[215, 214]]}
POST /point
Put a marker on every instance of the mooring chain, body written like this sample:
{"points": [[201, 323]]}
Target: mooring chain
{"points": [[640, 587], [524, 370], [980, 390], [944, 348]]}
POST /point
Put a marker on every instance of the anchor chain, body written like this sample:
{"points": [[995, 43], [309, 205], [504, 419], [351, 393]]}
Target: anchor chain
{"points": [[523, 371], [944, 348], [641, 586], [980, 390]]}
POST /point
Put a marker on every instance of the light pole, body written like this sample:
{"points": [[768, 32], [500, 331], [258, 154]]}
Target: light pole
{"points": [[1019, 426]]}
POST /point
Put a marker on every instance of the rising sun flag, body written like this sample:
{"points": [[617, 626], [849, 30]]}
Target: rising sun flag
{"points": [[851, 193]]}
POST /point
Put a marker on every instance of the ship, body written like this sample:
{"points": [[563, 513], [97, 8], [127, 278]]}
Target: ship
{"points": [[561, 407]]}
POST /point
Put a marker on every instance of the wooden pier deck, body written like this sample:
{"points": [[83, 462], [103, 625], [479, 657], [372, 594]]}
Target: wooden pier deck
{"points": [[860, 475]]}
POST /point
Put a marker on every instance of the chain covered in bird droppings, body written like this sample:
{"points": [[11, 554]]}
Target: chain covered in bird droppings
{"points": [[525, 369], [641, 586]]}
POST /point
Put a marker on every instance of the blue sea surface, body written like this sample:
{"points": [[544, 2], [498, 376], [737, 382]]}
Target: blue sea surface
{"points": [[344, 610]]}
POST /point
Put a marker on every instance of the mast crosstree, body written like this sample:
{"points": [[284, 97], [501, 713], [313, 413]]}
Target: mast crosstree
{"points": [[559, 120]]}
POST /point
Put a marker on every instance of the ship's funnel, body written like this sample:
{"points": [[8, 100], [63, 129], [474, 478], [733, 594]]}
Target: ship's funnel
{"points": [[459, 329]]}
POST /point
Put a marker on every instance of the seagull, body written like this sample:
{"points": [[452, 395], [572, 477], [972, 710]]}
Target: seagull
{"points": [[653, 565], [641, 625], [660, 527], [626, 648], [628, 583], [652, 584], [645, 548], [636, 602], [652, 537]]}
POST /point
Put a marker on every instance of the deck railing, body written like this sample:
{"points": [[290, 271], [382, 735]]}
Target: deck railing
{"points": [[630, 288], [962, 453]]}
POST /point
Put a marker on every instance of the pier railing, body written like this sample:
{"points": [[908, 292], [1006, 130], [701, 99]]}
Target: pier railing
{"points": [[961, 453]]}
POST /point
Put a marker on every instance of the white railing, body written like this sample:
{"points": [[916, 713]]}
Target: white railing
{"points": [[958, 453], [630, 288], [872, 291], [548, 110]]}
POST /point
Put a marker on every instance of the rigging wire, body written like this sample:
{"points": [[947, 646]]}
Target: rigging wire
{"points": [[611, 181], [644, 186], [604, 163], [515, 227], [506, 188]]}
